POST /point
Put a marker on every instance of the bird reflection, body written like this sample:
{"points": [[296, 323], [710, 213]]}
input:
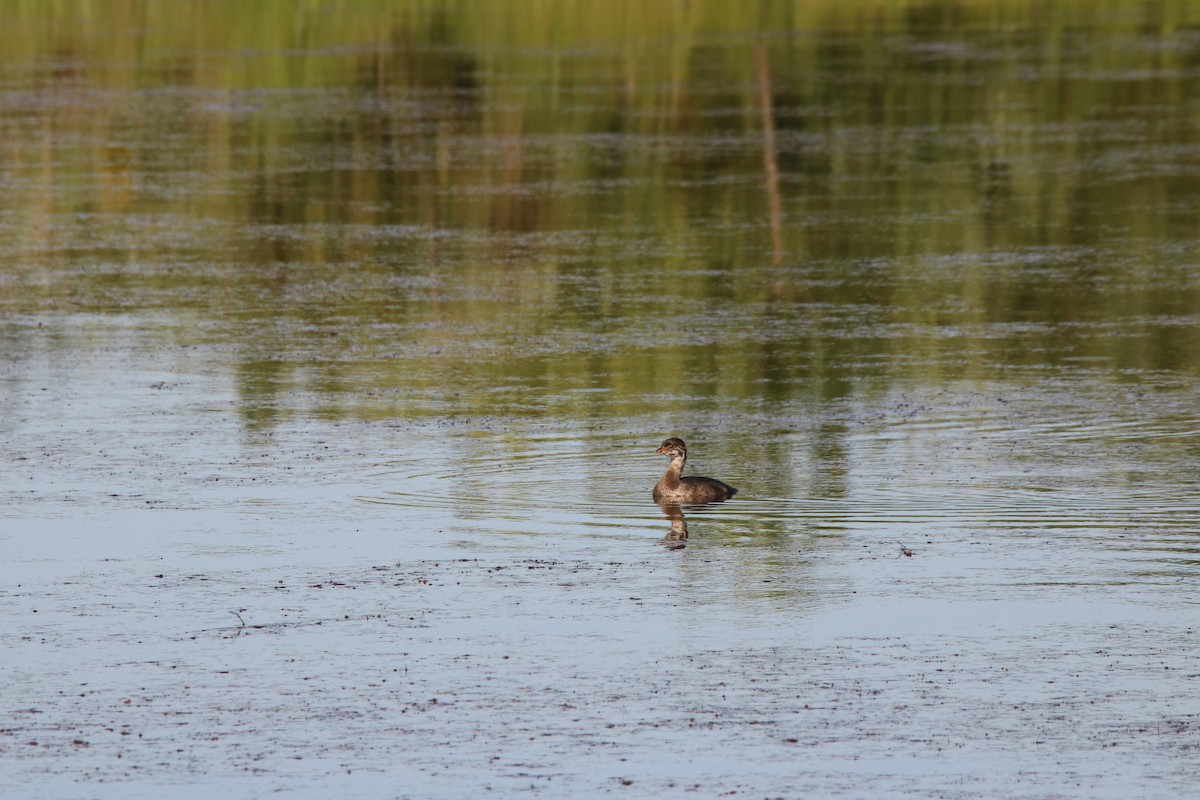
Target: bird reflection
{"points": [[677, 538]]}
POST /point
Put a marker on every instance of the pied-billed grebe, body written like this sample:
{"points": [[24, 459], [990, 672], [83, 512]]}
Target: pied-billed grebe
{"points": [[676, 489]]}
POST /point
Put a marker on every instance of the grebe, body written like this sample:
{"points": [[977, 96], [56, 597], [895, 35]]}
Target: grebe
{"points": [[675, 489]]}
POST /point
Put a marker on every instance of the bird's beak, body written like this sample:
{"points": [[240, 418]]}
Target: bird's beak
{"points": [[660, 450]]}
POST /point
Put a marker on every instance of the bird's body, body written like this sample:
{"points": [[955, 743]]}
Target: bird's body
{"points": [[674, 488]]}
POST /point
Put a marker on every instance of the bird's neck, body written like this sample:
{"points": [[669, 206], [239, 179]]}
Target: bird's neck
{"points": [[674, 470]]}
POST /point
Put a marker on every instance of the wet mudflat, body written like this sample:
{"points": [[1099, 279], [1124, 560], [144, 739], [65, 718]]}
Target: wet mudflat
{"points": [[333, 359]]}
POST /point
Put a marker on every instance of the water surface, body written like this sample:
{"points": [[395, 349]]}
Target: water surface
{"points": [[364, 323]]}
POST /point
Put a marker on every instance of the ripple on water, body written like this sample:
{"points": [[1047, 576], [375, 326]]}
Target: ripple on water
{"points": [[476, 485], [492, 488]]}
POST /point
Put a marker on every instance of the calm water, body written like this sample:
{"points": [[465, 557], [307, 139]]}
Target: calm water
{"points": [[364, 323]]}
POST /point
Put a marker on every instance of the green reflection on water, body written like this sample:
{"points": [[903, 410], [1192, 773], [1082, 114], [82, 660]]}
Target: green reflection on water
{"points": [[590, 210]]}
